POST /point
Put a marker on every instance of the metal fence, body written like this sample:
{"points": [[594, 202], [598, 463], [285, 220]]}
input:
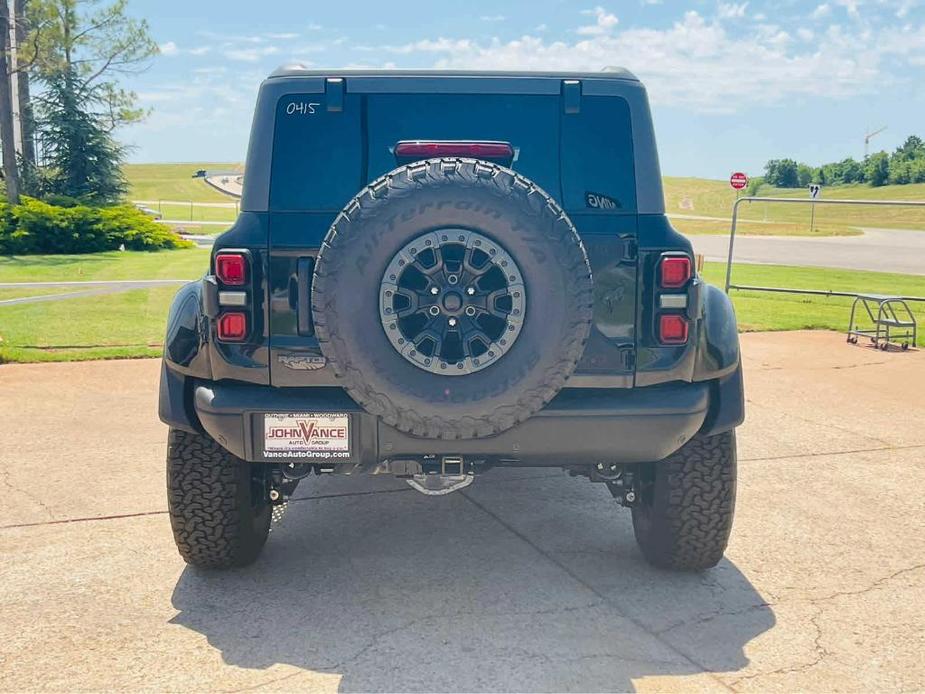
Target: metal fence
{"points": [[804, 201]]}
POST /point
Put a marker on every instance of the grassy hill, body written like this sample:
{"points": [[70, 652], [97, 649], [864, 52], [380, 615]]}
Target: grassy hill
{"points": [[710, 198], [174, 182], [687, 200]]}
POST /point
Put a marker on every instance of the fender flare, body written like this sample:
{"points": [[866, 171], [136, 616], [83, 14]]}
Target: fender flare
{"points": [[185, 358]]}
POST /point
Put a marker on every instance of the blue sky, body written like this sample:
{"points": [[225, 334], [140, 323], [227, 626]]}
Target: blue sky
{"points": [[732, 84]]}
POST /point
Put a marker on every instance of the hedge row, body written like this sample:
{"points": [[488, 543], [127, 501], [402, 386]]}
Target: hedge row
{"points": [[37, 227]]}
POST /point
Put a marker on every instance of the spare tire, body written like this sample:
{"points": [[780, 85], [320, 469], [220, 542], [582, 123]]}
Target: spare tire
{"points": [[452, 298]]}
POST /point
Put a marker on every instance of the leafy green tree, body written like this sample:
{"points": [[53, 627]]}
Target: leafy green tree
{"points": [[782, 173], [92, 45], [877, 169], [79, 50], [912, 149], [806, 175]]}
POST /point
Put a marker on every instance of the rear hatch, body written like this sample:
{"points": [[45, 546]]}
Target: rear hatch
{"points": [[577, 147]]}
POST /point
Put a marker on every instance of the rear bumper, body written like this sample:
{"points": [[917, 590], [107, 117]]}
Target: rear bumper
{"points": [[579, 426]]}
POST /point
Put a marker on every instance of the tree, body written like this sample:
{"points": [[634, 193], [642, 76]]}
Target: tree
{"points": [[10, 165], [79, 50], [26, 115], [91, 47], [781, 173], [83, 159], [806, 175], [877, 168], [913, 148]]}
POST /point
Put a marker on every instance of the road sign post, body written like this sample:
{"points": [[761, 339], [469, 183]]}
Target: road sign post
{"points": [[738, 181], [815, 191]]}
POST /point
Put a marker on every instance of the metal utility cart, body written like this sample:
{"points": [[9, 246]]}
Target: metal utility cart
{"points": [[890, 318]]}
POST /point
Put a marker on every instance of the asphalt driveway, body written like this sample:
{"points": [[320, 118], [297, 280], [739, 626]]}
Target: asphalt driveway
{"points": [[527, 580]]}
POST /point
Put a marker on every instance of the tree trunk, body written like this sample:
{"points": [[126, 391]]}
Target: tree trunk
{"points": [[26, 116], [10, 165]]}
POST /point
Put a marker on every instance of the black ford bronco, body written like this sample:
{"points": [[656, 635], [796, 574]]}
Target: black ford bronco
{"points": [[438, 273]]}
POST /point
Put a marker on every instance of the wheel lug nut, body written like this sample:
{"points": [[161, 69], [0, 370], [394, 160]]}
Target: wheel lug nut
{"points": [[470, 291], [452, 322], [434, 291]]}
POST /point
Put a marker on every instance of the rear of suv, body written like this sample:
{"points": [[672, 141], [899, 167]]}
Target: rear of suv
{"points": [[439, 273]]}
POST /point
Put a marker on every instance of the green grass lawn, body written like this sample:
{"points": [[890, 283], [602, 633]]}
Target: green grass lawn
{"points": [[195, 213], [174, 182], [766, 311], [131, 323], [188, 263], [127, 324]]}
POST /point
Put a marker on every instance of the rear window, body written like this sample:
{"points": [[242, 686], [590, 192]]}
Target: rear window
{"points": [[530, 123], [321, 157]]}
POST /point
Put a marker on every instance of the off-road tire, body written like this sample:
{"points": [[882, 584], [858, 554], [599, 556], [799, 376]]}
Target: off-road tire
{"points": [[219, 519], [468, 194], [684, 515]]}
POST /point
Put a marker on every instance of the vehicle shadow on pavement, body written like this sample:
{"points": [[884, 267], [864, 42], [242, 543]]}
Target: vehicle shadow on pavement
{"points": [[526, 581]]}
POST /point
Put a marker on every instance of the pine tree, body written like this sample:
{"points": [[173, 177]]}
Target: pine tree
{"points": [[83, 161]]}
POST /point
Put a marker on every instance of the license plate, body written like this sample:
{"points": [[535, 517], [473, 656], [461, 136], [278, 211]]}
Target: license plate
{"points": [[306, 435]]}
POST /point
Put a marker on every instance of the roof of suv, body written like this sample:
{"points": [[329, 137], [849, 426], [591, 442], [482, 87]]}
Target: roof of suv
{"points": [[301, 71]]}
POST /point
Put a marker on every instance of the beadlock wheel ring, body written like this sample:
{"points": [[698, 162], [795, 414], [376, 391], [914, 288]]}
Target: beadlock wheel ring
{"points": [[452, 302]]}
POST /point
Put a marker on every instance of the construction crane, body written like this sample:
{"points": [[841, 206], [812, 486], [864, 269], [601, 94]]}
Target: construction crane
{"points": [[867, 139]]}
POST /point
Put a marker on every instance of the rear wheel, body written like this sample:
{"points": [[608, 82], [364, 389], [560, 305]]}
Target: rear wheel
{"points": [[686, 505], [218, 507]]}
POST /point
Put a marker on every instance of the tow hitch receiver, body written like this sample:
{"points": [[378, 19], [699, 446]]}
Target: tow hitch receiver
{"points": [[451, 478]]}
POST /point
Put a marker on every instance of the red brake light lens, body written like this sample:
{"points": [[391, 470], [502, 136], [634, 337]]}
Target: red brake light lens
{"points": [[231, 268], [672, 329], [675, 271], [232, 326], [493, 151]]}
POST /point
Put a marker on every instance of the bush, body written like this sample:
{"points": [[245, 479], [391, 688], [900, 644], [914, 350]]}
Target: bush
{"points": [[38, 227]]}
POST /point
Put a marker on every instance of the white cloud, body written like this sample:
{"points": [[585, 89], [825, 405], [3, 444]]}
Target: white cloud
{"points": [[731, 10], [540, 28], [823, 10], [492, 17], [284, 36], [249, 55], [805, 34], [698, 64], [605, 22], [851, 6], [170, 48]]}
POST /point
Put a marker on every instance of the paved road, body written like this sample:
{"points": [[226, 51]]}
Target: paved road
{"points": [[528, 580], [885, 250]]}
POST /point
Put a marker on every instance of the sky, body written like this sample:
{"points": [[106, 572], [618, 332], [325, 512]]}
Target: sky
{"points": [[732, 84]]}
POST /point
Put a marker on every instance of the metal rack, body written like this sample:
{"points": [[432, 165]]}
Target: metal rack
{"points": [[890, 318]]}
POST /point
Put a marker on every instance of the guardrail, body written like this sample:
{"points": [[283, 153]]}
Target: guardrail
{"points": [[804, 201]]}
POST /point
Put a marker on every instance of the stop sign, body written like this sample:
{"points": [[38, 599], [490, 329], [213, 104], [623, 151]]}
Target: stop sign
{"points": [[738, 180]]}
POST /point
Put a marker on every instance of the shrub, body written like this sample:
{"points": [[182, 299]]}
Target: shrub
{"points": [[38, 227]]}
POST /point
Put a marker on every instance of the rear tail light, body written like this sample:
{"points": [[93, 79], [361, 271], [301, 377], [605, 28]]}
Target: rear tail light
{"points": [[407, 151], [675, 271], [232, 326], [672, 329], [231, 269]]}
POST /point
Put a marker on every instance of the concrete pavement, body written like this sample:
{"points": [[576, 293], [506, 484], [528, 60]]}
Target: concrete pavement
{"points": [[883, 250], [527, 580]]}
